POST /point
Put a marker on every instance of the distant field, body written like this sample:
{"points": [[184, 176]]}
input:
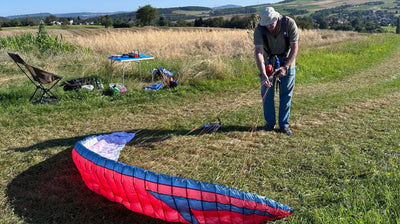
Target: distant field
{"points": [[315, 5], [53, 27], [192, 13]]}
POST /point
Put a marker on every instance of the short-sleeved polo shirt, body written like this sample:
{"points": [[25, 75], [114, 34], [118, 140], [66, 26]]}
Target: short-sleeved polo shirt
{"points": [[277, 44]]}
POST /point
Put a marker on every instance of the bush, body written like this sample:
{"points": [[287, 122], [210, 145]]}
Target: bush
{"points": [[42, 42]]}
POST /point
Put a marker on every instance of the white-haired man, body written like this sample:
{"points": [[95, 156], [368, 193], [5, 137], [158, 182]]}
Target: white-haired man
{"points": [[276, 38]]}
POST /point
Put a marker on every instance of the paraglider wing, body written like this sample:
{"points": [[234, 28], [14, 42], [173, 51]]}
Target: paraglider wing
{"points": [[169, 198]]}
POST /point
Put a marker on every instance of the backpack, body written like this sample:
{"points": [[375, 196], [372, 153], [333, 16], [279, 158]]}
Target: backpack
{"points": [[76, 84], [285, 35], [167, 75]]}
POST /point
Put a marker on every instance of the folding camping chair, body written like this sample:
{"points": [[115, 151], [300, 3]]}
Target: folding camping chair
{"points": [[39, 78]]}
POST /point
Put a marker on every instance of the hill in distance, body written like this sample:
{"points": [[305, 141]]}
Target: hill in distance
{"points": [[227, 7]]}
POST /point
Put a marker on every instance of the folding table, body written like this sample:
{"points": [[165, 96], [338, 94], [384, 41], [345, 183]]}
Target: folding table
{"points": [[126, 58]]}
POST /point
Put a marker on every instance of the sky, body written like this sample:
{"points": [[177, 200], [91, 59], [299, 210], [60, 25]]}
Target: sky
{"points": [[24, 7]]}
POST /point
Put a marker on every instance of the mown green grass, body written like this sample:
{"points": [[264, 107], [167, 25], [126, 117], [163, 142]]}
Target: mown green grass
{"points": [[339, 61], [341, 165]]}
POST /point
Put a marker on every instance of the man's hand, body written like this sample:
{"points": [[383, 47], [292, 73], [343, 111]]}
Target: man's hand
{"points": [[280, 72], [267, 81]]}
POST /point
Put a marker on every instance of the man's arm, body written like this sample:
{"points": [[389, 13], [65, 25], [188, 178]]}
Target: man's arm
{"points": [[294, 48], [259, 51]]}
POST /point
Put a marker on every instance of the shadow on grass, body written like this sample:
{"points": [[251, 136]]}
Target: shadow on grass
{"points": [[143, 135], [54, 192]]}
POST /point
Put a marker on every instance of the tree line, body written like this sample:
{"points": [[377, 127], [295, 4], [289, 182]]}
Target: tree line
{"points": [[48, 20], [360, 21]]}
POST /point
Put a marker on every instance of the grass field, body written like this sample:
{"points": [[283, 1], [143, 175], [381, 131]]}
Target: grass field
{"points": [[340, 166]]}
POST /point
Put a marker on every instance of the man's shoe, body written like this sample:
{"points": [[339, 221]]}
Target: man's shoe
{"points": [[286, 131], [268, 127]]}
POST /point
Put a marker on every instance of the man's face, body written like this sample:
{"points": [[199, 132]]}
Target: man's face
{"points": [[272, 26]]}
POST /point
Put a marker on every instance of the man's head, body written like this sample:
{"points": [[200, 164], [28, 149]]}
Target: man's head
{"points": [[269, 18]]}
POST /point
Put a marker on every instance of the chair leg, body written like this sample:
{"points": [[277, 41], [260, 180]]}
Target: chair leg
{"points": [[37, 87], [47, 95], [51, 94], [51, 97]]}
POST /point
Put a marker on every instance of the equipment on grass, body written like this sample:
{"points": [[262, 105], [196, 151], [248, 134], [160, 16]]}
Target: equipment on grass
{"points": [[167, 76], [213, 127], [153, 87], [133, 54], [171, 82], [81, 83], [165, 197], [117, 88]]}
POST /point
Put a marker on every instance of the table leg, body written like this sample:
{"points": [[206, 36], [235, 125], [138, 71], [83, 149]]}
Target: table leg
{"points": [[111, 70], [151, 71], [123, 73], [140, 70]]}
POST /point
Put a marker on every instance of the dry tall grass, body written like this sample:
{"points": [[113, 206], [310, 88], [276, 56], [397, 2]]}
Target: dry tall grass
{"points": [[169, 44], [183, 43], [180, 43]]}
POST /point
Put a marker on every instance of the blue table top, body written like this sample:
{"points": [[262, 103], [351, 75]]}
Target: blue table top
{"points": [[127, 58]]}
